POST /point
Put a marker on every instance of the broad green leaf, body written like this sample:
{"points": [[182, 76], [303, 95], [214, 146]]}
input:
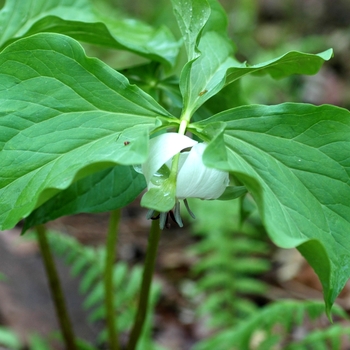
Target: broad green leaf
{"points": [[103, 191], [233, 192], [294, 159], [191, 16], [230, 96], [63, 116], [293, 62], [204, 76], [18, 16], [215, 66], [82, 21]]}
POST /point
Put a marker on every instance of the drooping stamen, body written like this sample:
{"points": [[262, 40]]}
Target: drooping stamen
{"points": [[188, 209], [163, 219], [177, 214], [150, 213]]}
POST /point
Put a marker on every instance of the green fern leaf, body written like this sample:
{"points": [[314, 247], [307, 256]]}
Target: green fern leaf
{"points": [[90, 278], [95, 296], [273, 325]]}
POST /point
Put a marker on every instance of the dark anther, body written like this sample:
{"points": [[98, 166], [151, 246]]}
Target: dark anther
{"points": [[156, 217]]}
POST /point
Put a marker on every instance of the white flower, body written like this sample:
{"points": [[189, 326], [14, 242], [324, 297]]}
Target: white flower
{"points": [[191, 180], [195, 180]]}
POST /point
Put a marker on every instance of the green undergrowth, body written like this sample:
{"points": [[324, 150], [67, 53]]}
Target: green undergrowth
{"points": [[287, 324], [87, 264], [231, 258]]}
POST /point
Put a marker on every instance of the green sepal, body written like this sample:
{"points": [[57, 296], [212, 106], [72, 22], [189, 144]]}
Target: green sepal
{"points": [[160, 198]]}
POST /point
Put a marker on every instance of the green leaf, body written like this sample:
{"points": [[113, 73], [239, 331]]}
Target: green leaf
{"points": [[80, 20], [294, 159], [18, 16], [204, 75], [233, 192], [213, 66], [293, 62], [100, 192], [191, 16], [228, 97], [63, 116]]}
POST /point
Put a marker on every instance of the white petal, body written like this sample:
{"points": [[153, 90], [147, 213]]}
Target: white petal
{"points": [[161, 149], [196, 180]]}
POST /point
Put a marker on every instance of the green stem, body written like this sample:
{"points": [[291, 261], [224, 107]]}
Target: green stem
{"points": [[150, 260], [56, 289], [112, 236], [175, 162], [183, 126]]}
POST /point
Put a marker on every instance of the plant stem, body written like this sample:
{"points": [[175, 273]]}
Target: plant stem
{"points": [[183, 126], [56, 289], [150, 260], [112, 236]]}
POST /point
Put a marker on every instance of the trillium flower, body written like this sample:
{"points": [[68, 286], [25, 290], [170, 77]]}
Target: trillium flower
{"points": [[172, 176]]}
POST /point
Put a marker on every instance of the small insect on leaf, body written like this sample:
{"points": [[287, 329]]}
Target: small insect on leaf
{"points": [[126, 143], [202, 92]]}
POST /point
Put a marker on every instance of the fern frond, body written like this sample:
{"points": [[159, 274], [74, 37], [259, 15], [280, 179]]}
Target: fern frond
{"points": [[329, 338], [250, 286], [228, 262], [89, 277], [273, 326], [88, 263]]}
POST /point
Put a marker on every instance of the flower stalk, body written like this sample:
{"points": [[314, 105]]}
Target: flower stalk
{"points": [[148, 270], [183, 126], [111, 318], [56, 289]]}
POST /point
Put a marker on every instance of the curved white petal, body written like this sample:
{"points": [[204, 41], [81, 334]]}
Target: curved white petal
{"points": [[161, 149], [196, 180]]}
